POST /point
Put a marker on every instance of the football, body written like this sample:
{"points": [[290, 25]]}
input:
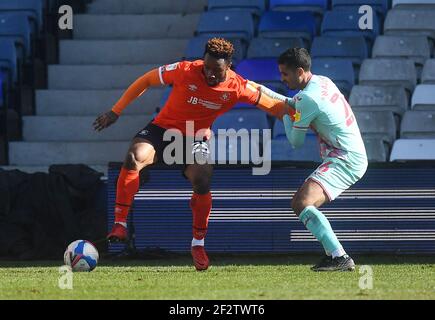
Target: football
{"points": [[81, 255]]}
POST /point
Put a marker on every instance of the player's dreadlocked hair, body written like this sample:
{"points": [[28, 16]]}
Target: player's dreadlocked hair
{"points": [[220, 48]]}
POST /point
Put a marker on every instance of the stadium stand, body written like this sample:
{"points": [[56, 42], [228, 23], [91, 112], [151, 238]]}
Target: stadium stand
{"points": [[272, 48], [409, 21], [381, 6], [428, 74], [316, 6], [287, 25], [377, 125], [353, 48], [413, 48], [231, 24], [339, 70], [414, 4], [345, 23], [418, 124], [413, 150], [423, 97], [256, 7], [388, 72], [263, 71], [376, 149], [379, 98]]}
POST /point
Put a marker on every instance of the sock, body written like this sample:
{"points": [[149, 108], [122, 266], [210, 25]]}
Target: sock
{"points": [[126, 188], [201, 207], [320, 227]]}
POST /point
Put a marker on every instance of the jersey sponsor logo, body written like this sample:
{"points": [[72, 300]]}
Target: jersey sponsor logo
{"points": [[192, 87], [225, 97], [144, 132], [208, 104], [297, 116], [171, 67]]}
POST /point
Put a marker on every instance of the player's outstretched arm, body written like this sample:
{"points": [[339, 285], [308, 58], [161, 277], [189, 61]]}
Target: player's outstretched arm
{"points": [[272, 102], [135, 90]]}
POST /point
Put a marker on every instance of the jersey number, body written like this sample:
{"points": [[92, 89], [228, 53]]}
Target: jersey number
{"points": [[350, 118]]}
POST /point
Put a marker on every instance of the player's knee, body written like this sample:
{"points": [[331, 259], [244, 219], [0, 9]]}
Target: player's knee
{"points": [[134, 160], [298, 205]]}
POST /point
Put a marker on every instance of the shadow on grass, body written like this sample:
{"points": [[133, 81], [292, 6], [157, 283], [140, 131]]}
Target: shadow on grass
{"points": [[167, 259]]}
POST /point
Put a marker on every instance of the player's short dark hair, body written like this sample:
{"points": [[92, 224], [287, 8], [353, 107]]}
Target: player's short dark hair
{"points": [[296, 58], [220, 48]]}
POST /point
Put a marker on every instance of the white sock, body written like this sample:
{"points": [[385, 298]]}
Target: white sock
{"points": [[338, 253], [124, 224], [196, 242]]}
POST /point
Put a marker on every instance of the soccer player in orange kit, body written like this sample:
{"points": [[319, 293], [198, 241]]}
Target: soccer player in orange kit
{"points": [[202, 90]]}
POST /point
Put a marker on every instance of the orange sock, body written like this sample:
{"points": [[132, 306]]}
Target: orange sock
{"points": [[201, 207], [126, 188]]}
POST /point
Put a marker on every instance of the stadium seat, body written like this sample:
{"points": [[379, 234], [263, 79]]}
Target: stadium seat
{"points": [[379, 98], [254, 6], [410, 47], [283, 151], [413, 149], [340, 71], [230, 149], [231, 24], [388, 72], [423, 97], [241, 119], [264, 71], [376, 150], [381, 6], [317, 6], [287, 25], [346, 23], [428, 74], [353, 48], [196, 47], [272, 48], [377, 124], [413, 4], [15, 26], [33, 9], [418, 125], [410, 22], [8, 59]]}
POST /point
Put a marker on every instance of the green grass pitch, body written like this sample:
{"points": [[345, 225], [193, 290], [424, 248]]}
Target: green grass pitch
{"points": [[230, 277]]}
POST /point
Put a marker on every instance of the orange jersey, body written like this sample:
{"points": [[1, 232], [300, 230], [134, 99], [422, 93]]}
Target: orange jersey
{"points": [[192, 99]]}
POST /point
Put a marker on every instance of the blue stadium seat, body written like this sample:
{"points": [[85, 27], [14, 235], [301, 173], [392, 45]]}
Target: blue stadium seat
{"points": [[8, 59], [380, 6], [264, 71], [283, 151], [318, 6], [272, 48], [254, 6], [241, 119], [196, 47], [16, 26], [340, 71], [287, 24], [346, 23], [33, 9], [231, 24], [353, 48]]}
